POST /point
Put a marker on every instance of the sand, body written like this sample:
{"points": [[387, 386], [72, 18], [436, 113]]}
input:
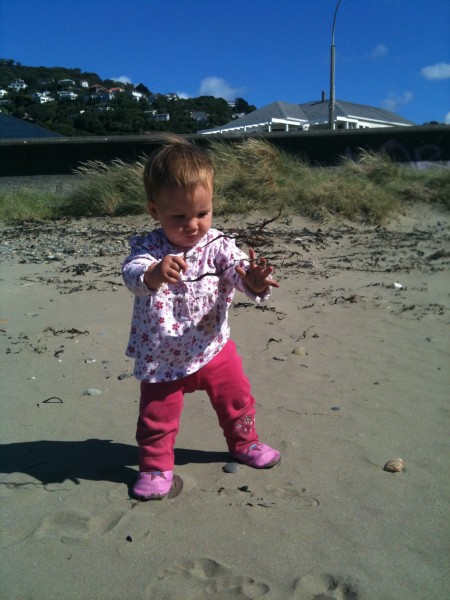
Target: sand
{"points": [[349, 362]]}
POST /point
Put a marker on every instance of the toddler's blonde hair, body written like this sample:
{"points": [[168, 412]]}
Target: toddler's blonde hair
{"points": [[177, 163]]}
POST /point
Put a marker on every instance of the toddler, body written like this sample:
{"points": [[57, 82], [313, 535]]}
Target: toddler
{"points": [[183, 276]]}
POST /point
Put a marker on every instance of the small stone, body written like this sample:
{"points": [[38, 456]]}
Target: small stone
{"points": [[124, 376], [91, 392], [231, 467], [299, 351], [89, 361], [280, 358], [395, 465], [335, 408]]}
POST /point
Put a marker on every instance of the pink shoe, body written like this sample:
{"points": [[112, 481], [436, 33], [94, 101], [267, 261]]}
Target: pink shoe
{"points": [[153, 486], [259, 456]]}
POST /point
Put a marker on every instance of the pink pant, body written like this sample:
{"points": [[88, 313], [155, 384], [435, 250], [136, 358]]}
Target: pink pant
{"points": [[161, 404]]}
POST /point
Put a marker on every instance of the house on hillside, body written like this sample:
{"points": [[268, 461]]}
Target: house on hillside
{"points": [[67, 95], [101, 96], [42, 97], [281, 116], [161, 117], [17, 85], [66, 82], [96, 88], [198, 115], [137, 95]]}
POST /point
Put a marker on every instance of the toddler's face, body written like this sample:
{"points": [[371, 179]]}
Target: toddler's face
{"points": [[185, 216]]}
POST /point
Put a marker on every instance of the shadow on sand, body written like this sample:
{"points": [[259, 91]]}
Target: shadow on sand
{"points": [[96, 460]]}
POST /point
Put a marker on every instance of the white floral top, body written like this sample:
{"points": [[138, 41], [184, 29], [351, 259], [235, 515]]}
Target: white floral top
{"points": [[178, 328]]}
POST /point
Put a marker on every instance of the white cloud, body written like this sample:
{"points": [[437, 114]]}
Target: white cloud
{"points": [[183, 95], [395, 103], [219, 88], [437, 71], [379, 51], [122, 79], [447, 119]]}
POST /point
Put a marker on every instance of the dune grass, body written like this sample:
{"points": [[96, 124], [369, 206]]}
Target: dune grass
{"points": [[27, 205], [251, 176], [107, 189]]}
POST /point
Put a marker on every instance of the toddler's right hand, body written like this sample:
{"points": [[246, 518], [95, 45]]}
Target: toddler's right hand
{"points": [[166, 271]]}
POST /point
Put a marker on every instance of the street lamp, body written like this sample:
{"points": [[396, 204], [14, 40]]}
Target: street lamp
{"points": [[332, 98]]}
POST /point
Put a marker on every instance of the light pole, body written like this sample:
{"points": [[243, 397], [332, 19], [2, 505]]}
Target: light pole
{"points": [[332, 98]]}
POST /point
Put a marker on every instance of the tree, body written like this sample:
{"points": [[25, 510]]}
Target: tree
{"points": [[90, 123], [143, 89], [242, 106]]}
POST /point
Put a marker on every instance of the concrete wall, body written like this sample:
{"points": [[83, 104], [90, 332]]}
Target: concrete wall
{"points": [[59, 156]]}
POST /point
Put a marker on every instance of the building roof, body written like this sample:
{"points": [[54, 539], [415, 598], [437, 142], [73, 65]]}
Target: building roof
{"points": [[319, 111], [13, 128], [312, 113]]}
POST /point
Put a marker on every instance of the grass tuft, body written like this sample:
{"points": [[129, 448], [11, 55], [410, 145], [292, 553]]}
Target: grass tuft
{"points": [[26, 204], [113, 189]]}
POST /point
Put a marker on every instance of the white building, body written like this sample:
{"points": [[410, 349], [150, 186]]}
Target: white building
{"points": [[42, 97], [161, 117], [67, 95], [18, 84], [281, 116], [137, 95]]}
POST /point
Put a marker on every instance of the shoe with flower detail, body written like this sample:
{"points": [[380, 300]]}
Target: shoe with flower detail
{"points": [[259, 456]]}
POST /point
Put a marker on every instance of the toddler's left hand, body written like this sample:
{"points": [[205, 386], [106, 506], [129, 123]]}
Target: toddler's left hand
{"points": [[257, 276]]}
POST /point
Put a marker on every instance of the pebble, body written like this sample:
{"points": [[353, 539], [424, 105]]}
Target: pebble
{"points": [[231, 467], [299, 351], [124, 376], [395, 465], [91, 392]]}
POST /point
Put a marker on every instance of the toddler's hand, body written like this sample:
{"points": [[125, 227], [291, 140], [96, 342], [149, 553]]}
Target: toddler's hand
{"points": [[166, 271], [257, 276]]}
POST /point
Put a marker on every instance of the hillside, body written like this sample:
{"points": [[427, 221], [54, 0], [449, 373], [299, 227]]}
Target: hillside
{"points": [[75, 102]]}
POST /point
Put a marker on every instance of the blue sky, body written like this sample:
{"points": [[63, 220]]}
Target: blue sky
{"points": [[393, 54]]}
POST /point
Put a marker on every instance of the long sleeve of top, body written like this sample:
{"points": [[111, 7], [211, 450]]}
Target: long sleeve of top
{"points": [[176, 329]]}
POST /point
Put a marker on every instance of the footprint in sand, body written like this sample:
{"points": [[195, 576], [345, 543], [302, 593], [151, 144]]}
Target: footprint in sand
{"points": [[321, 586], [290, 492], [72, 527], [204, 579]]}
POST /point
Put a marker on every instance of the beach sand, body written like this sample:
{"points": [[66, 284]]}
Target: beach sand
{"points": [[349, 362]]}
